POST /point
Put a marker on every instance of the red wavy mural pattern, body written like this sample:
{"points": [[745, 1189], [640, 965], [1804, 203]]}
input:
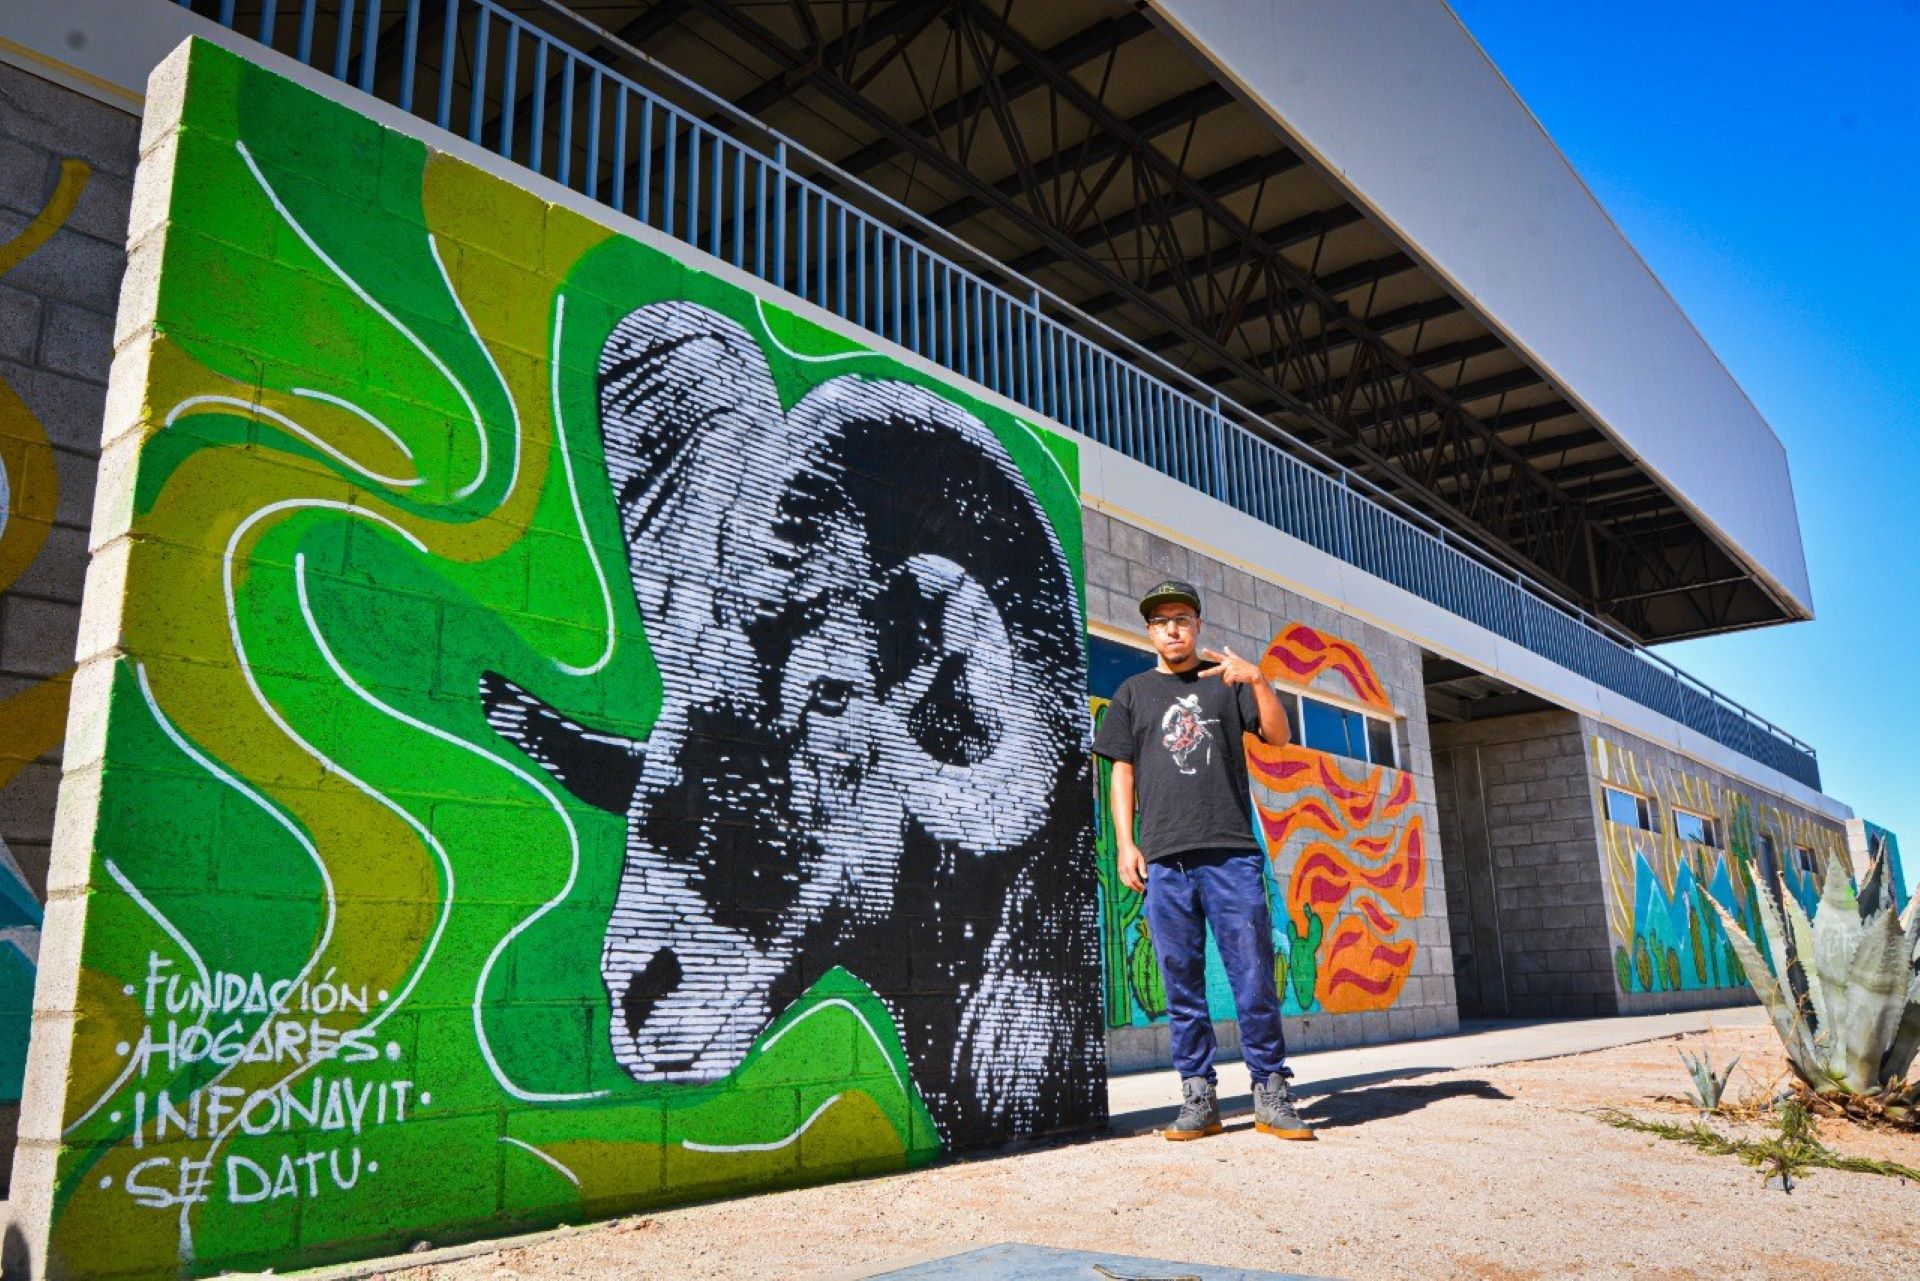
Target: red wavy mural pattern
{"points": [[1350, 849]]}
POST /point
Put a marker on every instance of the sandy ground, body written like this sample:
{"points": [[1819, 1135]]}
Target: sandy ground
{"points": [[1497, 1172]]}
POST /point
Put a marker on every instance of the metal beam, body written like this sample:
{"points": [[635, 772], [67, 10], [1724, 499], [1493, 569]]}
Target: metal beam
{"points": [[1535, 522], [1219, 184], [1154, 121], [1071, 53], [1359, 275]]}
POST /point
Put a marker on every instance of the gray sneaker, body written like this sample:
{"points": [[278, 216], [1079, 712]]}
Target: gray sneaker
{"points": [[1273, 1111], [1199, 1114]]}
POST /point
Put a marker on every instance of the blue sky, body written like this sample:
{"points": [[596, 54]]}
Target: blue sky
{"points": [[1764, 158]]}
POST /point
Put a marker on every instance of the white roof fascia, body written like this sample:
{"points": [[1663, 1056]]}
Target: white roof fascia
{"points": [[1398, 103]]}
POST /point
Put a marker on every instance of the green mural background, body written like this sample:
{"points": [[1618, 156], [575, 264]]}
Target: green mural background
{"points": [[340, 984]]}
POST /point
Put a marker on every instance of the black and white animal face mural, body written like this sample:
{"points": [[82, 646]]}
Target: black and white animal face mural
{"points": [[871, 746]]}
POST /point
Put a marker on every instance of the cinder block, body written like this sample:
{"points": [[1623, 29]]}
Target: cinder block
{"points": [[1105, 569], [78, 341], [19, 323], [1093, 529], [67, 123], [1173, 560], [69, 267], [68, 410], [103, 207], [26, 803], [37, 636], [56, 574], [1128, 541], [26, 169]]}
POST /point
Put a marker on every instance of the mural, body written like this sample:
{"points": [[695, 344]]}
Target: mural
{"points": [[1877, 843], [1666, 936], [584, 737], [1344, 839], [1346, 865], [34, 716]]}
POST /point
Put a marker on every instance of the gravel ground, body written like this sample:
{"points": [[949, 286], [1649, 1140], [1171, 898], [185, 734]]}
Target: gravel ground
{"points": [[1495, 1172]]}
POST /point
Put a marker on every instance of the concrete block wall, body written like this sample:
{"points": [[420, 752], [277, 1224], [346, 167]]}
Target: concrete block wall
{"points": [[428, 506], [1528, 862], [1244, 610], [66, 172], [1699, 973]]}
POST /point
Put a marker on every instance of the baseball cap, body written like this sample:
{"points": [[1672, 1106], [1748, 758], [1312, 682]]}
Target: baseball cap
{"points": [[1171, 591]]}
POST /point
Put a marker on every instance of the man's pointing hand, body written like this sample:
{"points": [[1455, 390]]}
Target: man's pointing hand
{"points": [[1229, 667]]}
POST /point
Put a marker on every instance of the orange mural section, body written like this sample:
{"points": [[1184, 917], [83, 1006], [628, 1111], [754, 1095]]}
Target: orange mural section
{"points": [[1349, 849], [1299, 655]]}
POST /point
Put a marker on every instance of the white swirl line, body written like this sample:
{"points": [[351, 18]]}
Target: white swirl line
{"points": [[240, 654], [513, 406], [146, 906], [179, 740], [774, 1146], [133, 1059], [573, 837], [341, 402], [880, 1045], [573, 493], [326, 762], [433, 357], [760, 309], [272, 415], [521, 1143]]}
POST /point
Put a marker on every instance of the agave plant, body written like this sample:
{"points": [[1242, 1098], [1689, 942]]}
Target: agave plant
{"points": [[1843, 989], [1708, 1085]]}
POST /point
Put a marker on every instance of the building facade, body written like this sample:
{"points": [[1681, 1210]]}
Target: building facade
{"points": [[433, 595]]}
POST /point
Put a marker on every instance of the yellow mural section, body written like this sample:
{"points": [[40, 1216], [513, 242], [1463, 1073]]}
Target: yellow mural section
{"points": [[32, 719]]}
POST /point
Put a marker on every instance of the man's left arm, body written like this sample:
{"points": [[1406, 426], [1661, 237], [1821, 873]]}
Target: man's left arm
{"points": [[1235, 670]]}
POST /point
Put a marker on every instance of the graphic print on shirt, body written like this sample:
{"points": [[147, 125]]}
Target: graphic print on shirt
{"points": [[1183, 732]]}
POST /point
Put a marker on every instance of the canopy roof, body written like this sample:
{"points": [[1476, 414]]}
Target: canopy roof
{"points": [[1340, 217]]}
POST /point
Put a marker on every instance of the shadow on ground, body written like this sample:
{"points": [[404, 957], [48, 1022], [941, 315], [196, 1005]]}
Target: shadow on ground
{"points": [[1357, 1107], [1333, 1103]]}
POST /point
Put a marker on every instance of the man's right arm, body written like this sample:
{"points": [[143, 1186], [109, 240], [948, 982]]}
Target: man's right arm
{"points": [[1132, 863]]}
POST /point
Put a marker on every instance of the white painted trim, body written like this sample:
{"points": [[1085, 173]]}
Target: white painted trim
{"points": [[1118, 635], [1126, 490]]}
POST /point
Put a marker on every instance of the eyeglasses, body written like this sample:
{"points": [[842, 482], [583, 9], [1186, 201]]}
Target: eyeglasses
{"points": [[1175, 622]]}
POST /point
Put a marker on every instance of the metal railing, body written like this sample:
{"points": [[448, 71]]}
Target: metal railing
{"points": [[541, 89]]}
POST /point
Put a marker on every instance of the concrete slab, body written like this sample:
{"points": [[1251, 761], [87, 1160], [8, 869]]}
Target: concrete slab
{"points": [[1144, 1101], [1045, 1263]]}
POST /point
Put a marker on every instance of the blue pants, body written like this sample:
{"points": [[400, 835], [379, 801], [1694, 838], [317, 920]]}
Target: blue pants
{"points": [[1225, 889]]}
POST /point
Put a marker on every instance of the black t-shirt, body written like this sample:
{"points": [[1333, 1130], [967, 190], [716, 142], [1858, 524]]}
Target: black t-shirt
{"points": [[1182, 734]]}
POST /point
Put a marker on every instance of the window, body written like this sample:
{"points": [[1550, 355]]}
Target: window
{"points": [[1331, 729], [1380, 741], [1804, 857], [1341, 731], [1629, 809], [1109, 662], [1697, 828], [1311, 722], [1290, 703]]}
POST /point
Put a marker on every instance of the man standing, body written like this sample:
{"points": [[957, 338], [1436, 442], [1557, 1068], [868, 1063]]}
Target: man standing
{"points": [[1174, 737]]}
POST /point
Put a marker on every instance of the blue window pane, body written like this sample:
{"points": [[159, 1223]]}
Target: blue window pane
{"points": [[1692, 827], [1623, 808], [1332, 729], [1110, 662]]}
